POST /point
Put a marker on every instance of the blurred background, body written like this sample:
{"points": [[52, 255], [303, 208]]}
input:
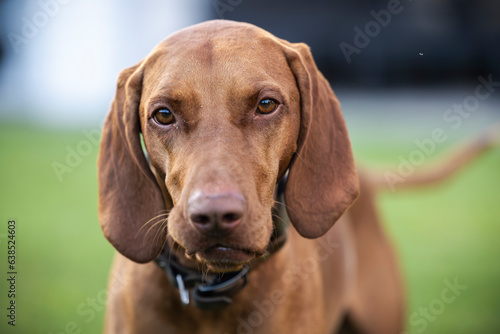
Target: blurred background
{"points": [[401, 69]]}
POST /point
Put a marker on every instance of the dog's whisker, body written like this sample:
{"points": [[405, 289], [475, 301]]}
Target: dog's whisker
{"points": [[173, 248], [161, 221], [205, 270], [279, 202], [158, 233], [288, 208], [160, 230], [162, 218], [150, 228], [164, 214], [299, 157], [280, 218]]}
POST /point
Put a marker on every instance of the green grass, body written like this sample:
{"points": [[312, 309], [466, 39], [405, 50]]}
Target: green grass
{"points": [[62, 258], [446, 231], [441, 233]]}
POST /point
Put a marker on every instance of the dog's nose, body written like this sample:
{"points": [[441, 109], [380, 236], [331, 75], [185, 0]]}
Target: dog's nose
{"points": [[216, 213]]}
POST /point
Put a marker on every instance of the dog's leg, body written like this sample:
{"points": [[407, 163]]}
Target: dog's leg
{"points": [[378, 303]]}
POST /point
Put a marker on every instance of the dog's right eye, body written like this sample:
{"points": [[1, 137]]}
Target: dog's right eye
{"points": [[163, 116], [267, 106]]}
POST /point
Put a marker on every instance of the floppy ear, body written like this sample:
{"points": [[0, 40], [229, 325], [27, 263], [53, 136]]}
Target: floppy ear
{"points": [[322, 181], [129, 196]]}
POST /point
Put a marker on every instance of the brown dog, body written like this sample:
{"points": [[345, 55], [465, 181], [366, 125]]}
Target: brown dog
{"points": [[226, 111]]}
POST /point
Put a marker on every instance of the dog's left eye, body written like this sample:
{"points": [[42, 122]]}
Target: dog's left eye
{"points": [[267, 106], [163, 116]]}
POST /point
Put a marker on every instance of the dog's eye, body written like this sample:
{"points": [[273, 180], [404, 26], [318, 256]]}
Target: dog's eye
{"points": [[267, 106], [163, 116]]}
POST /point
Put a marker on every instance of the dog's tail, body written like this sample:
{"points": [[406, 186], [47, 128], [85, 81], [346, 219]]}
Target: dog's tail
{"points": [[440, 170]]}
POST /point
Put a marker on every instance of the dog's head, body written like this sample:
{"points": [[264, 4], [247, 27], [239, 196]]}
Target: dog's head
{"points": [[224, 109]]}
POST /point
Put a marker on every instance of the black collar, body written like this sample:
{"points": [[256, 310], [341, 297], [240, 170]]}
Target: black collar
{"points": [[212, 291]]}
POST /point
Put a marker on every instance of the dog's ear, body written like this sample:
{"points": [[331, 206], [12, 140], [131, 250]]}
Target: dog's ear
{"points": [[322, 181], [129, 197]]}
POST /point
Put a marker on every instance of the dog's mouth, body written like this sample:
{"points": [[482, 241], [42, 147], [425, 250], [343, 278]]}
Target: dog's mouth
{"points": [[221, 258]]}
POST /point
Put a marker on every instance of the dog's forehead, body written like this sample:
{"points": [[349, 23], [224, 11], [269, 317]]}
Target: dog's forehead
{"points": [[218, 33], [217, 53]]}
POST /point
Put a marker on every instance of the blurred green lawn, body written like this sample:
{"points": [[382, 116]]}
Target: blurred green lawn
{"points": [[444, 232]]}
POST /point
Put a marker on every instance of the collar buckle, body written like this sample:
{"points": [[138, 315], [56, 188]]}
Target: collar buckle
{"points": [[206, 291], [183, 292]]}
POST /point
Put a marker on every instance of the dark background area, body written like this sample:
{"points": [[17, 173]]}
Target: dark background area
{"points": [[425, 42]]}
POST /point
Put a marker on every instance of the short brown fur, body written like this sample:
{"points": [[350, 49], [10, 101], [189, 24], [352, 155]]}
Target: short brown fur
{"points": [[212, 76]]}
